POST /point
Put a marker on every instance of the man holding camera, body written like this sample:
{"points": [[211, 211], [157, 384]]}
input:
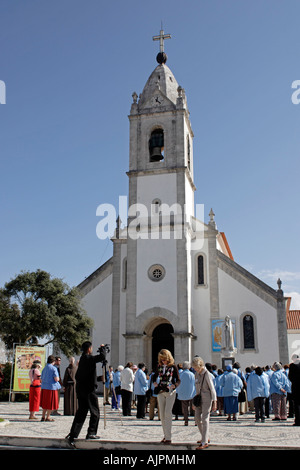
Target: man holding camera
{"points": [[86, 384]]}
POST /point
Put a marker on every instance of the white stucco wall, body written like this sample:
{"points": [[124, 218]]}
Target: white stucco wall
{"points": [[235, 300], [161, 186], [97, 304], [161, 293], [200, 301], [294, 342], [122, 309], [189, 198]]}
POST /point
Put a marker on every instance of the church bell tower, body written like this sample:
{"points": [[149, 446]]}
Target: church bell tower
{"points": [[161, 206]]}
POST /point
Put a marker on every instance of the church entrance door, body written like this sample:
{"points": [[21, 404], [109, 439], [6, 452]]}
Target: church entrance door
{"points": [[162, 338]]}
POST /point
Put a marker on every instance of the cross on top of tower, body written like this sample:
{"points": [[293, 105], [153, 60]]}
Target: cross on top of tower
{"points": [[161, 56]]}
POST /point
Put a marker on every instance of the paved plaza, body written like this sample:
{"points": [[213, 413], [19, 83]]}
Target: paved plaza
{"points": [[135, 434]]}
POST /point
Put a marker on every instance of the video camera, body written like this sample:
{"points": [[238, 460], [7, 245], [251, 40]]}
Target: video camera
{"points": [[105, 348]]}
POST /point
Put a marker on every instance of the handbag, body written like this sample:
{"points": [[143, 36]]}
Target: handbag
{"points": [[197, 398], [242, 396]]}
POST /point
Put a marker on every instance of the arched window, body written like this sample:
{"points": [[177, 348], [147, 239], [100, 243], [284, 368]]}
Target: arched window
{"points": [[188, 152], [248, 332], [124, 277], [200, 270], [156, 145]]}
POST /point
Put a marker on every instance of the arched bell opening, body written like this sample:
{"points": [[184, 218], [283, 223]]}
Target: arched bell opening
{"points": [[156, 145]]}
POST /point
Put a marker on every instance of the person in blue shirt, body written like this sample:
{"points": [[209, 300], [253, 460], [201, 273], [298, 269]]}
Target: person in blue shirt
{"points": [[279, 386], [268, 405], [49, 389], [242, 398], [214, 370], [106, 387], [258, 390], [219, 392], [153, 403], [140, 389], [186, 390], [116, 389], [232, 386], [289, 400]]}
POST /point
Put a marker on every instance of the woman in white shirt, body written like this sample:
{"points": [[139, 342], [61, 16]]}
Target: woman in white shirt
{"points": [[127, 379]]}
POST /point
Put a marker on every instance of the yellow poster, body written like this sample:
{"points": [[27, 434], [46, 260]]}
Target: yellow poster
{"points": [[24, 357]]}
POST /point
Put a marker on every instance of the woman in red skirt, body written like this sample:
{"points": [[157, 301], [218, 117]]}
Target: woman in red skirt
{"points": [[35, 389], [50, 387]]}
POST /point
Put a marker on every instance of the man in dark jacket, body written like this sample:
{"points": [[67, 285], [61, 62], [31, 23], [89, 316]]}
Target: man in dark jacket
{"points": [[86, 384], [294, 376]]}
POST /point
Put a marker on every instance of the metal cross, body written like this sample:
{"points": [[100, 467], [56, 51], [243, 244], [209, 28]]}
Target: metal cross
{"points": [[161, 38]]}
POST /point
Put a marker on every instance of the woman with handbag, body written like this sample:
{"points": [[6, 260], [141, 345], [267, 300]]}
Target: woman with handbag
{"points": [[165, 389], [204, 401]]}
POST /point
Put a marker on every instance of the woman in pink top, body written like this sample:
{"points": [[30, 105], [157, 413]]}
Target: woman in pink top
{"points": [[34, 389]]}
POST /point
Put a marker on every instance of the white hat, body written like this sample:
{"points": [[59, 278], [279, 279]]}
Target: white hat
{"points": [[295, 357], [186, 365]]}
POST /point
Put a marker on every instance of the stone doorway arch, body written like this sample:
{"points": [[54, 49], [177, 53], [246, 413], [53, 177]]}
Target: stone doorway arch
{"points": [[162, 338], [159, 334]]}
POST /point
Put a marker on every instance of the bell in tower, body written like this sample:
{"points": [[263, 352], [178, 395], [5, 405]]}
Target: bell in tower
{"points": [[156, 145]]}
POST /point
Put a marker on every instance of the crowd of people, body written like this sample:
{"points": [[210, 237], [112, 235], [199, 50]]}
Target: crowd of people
{"points": [[263, 390], [197, 389], [45, 386]]}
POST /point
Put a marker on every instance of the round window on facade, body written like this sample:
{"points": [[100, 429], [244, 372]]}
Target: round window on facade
{"points": [[156, 272]]}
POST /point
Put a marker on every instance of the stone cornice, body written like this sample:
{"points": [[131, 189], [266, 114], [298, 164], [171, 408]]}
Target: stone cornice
{"points": [[161, 171], [184, 334]]}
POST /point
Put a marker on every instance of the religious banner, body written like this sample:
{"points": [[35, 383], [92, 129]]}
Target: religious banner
{"points": [[217, 333], [24, 357]]}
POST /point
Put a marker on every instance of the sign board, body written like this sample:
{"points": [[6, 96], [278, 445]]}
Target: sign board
{"points": [[24, 357], [216, 327]]}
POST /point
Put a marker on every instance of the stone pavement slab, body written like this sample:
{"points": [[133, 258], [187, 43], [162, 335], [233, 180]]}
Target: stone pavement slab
{"points": [[135, 434]]}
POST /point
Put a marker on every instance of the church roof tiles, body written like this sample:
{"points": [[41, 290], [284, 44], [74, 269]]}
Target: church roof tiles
{"points": [[293, 320]]}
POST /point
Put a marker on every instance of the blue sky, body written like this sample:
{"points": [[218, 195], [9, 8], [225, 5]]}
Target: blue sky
{"points": [[70, 67]]}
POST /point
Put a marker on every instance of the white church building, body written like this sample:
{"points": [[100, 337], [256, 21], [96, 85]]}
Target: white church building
{"points": [[172, 279]]}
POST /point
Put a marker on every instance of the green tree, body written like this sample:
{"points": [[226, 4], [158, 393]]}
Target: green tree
{"points": [[34, 306]]}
